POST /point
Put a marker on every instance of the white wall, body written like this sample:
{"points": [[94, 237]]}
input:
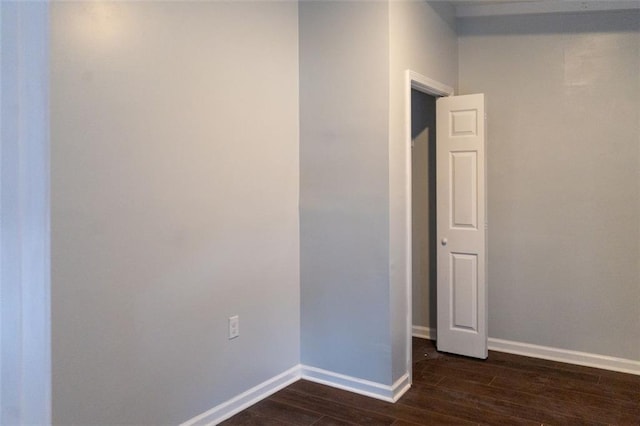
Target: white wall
{"points": [[174, 205], [344, 54], [422, 37], [563, 96]]}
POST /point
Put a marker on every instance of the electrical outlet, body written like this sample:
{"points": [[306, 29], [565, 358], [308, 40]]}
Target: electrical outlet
{"points": [[234, 326]]}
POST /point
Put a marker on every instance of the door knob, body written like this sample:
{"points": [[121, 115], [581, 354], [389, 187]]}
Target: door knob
{"points": [[444, 241]]}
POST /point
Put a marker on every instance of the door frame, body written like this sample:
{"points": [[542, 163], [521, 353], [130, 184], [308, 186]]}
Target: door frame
{"points": [[413, 80], [25, 235]]}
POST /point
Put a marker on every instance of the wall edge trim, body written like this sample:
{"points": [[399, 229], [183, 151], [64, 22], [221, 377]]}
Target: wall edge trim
{"points": [[568, 356], [234, 405], [360, 386], [246, 399], [586, 359], [423, 332], [401, 386]]}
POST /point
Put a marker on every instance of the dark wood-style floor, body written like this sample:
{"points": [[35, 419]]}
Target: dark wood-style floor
{"points": [[504, 389]]}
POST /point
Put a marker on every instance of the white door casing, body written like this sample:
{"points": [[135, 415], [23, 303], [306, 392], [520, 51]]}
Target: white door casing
{"points": [[461, 225], [25, 261]]}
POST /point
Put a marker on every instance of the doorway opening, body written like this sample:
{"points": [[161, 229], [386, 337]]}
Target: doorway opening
{"points": [[420, 129], [423, 224], [423, 202], [455, 267]]}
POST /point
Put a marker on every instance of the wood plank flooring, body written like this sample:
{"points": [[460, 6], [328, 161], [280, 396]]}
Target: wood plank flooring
{"points": [[452, 390]]}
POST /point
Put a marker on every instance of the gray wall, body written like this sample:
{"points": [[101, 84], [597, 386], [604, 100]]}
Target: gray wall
{"points": [[175, 190], [344, 217], [353, 56], [174, 205], [423, 39], [563, 95]]}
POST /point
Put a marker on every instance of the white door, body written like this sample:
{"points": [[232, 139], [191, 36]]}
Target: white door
{"points": [[461, 217]]}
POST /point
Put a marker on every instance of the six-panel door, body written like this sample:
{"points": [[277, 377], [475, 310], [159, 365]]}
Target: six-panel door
{"points": [[461, 218]]}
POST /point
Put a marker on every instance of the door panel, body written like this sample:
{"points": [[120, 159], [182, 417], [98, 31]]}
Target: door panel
{"points": [[464, 288], [462, 292], [463, 182]]}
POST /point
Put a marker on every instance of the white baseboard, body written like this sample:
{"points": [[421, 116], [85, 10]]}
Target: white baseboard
{"points": [[401, 386], [563, 355], [423, 332], [544, 352], [394, 392], [246, 399], [356, 385]]}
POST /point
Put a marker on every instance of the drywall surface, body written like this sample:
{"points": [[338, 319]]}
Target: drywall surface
{"points": [[423, 208], [563, 96], [422, 38], [174, 205], [344, 215]]}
